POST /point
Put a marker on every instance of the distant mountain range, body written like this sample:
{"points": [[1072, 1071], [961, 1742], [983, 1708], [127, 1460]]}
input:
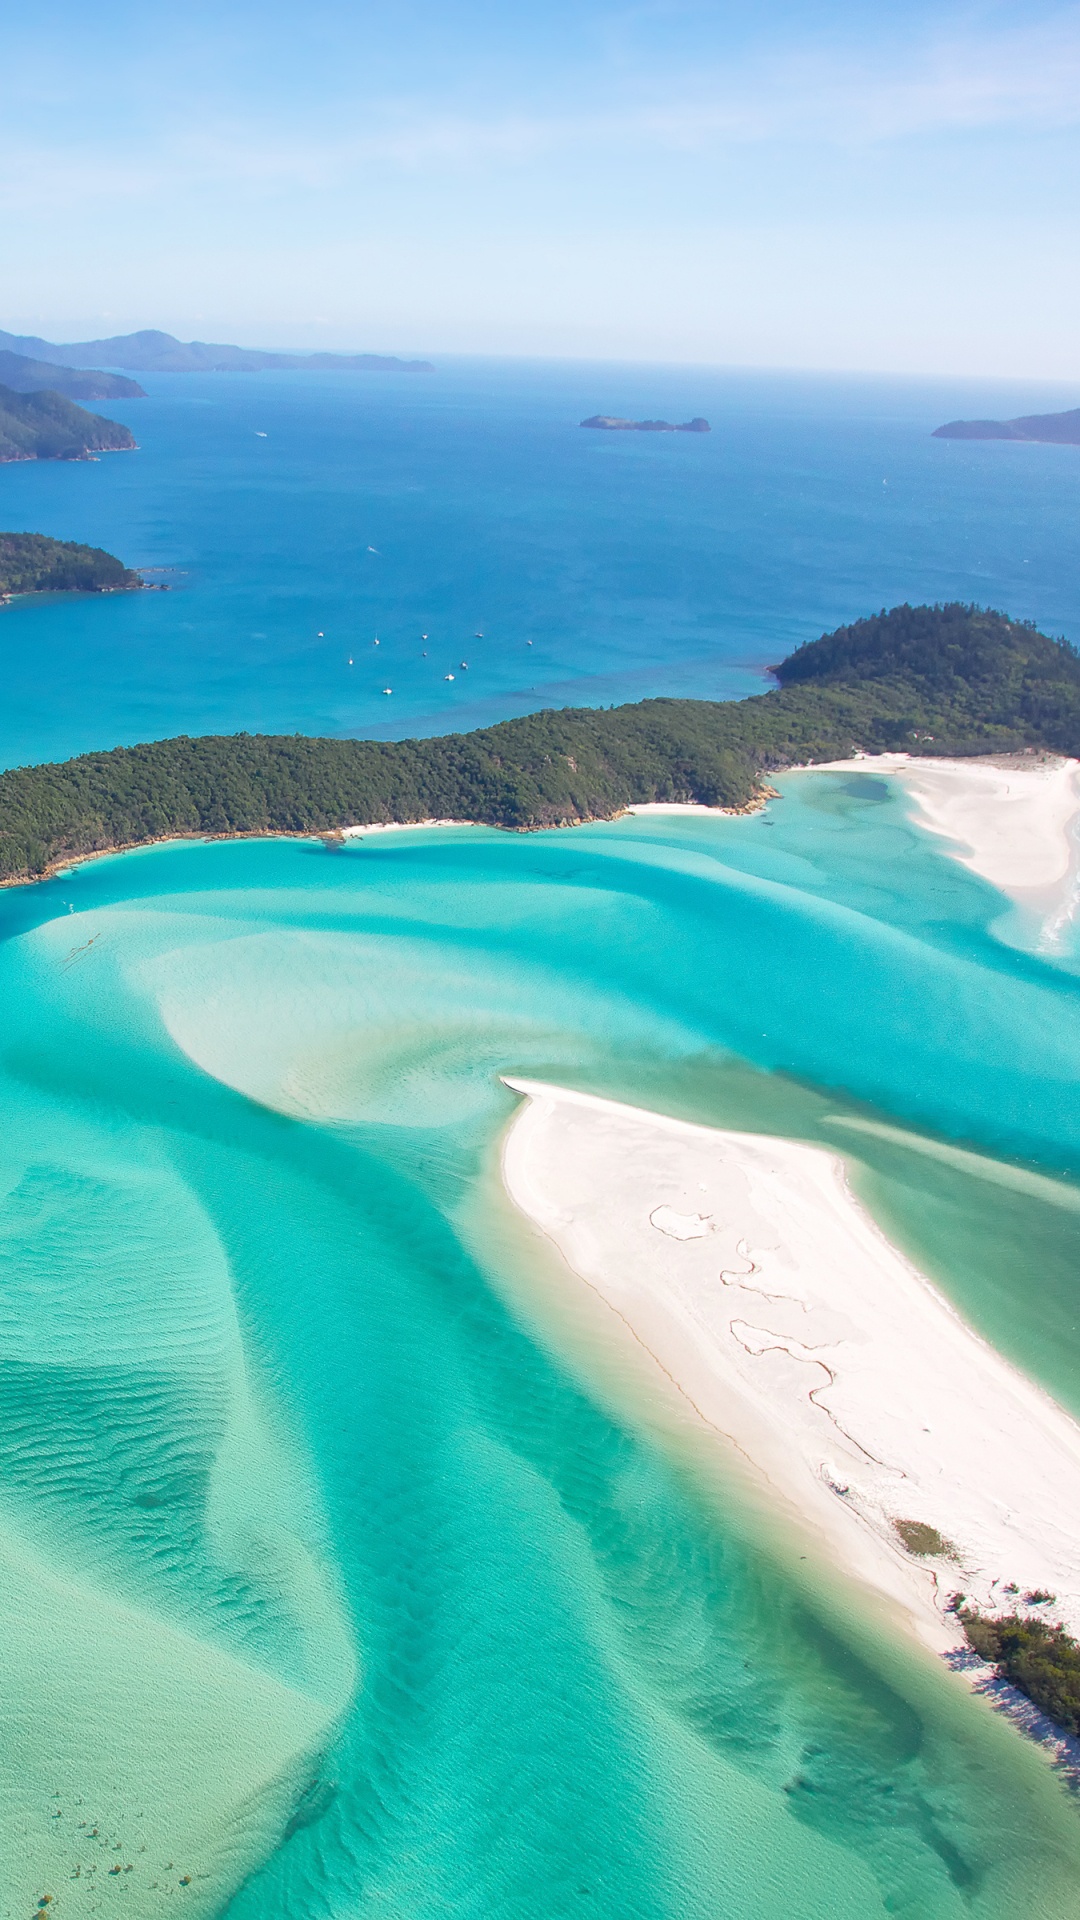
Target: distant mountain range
{"points": [[30, 376], [46, 426], [154, 352], [1060, 429]]}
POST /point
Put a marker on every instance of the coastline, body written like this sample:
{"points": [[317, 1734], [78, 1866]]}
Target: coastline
{"points": [[324, 835], [1011, 817], [331, 836], [744, 1266]]}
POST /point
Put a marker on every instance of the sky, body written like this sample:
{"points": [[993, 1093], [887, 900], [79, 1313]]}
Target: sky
{"points": [[835, 184]]}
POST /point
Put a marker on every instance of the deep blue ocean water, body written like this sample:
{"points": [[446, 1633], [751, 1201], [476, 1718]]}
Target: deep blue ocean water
{"points": [[469, 502]]}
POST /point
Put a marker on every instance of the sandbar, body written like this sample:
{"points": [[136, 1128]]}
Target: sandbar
{"points": [[1012, 819], [746, 1268]]}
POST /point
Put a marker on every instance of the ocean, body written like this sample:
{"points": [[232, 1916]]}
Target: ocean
{"points": [[547, 565], [344, 1574]]}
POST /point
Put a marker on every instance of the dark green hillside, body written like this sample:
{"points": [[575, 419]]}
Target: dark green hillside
{"points": [[972, 668], [930, 679], [45, 426], [32, 563]]}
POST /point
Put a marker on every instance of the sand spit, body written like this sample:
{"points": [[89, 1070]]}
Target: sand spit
{"points": [[1012, 818], [760, 1286]]}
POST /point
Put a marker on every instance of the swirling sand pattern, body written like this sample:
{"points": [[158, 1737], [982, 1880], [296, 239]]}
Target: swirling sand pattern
{"points": [[329, 1554]]}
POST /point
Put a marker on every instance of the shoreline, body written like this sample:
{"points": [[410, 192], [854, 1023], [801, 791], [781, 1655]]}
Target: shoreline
{"points": [[325, 835], [1012, 818], [1022, 838], [336, 836], [747, 1270]]}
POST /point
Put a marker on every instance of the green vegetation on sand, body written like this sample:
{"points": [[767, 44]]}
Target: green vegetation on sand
{"points": [[32, 563], [45, 426], [934, 680], [1041, 1660]]}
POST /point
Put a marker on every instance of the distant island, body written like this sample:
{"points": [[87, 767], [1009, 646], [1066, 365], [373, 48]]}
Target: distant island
{"points": [[942, 680], [154, 352], [611, 423], [46, 426], [30, 376], [32, 563], [1055, 429]]}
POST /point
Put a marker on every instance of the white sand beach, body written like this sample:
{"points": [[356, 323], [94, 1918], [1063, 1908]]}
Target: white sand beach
{"points": [[744, 1265], [1011, 823], [400, 826]]}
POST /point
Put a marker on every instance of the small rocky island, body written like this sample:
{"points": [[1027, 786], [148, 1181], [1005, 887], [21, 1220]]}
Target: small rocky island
{"points": [[46, 426], [610, 423], [33, 563], [1054, 429]]}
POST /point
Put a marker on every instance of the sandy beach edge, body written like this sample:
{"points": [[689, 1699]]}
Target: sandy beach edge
{"points": [[1012, 818], [759, 1286]]}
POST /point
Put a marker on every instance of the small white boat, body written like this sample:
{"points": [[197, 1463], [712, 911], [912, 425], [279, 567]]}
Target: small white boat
{"points": [[258, 435], [465, 664], [320, 636], [350, 660], [448, 676], [388, 689]]}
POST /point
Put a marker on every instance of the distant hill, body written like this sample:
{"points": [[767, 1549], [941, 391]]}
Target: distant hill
{"points": [[154, 352], [32, 563], [931, 680], [45, 426], [76, 383], [1056, 429], [611, 423]]}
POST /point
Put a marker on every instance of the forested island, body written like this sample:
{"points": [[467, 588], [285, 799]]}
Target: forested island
{"points": [[32, 563], [151, 351], [933, 680], [77, 383], [1055, 429], [46, 426], [611, 423]]}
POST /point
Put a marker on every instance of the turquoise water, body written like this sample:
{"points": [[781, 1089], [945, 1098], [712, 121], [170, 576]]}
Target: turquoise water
{"points": [[469, 502], [352, 1582], [343, 1575]]}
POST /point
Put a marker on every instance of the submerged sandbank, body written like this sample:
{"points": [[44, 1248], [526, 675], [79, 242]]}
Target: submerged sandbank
{"points": [[744, 1265]]}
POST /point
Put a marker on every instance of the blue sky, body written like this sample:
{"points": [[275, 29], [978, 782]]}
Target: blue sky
{"points": [[831, 185]]}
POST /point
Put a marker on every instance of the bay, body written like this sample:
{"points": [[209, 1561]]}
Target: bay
{"points": [[468, 502]]}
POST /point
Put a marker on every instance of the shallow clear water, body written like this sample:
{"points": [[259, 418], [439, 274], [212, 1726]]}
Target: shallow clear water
{"points": [[635, 564], [340, 1575], [281, 1377]]}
